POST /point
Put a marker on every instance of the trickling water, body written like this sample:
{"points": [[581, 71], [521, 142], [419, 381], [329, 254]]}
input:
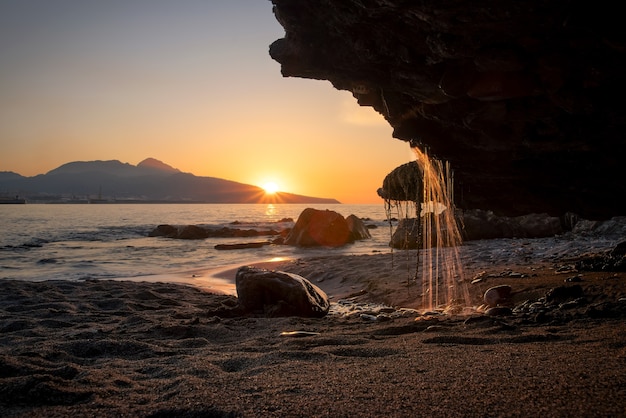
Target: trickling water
{"points": [[442, 275], [438, 265]]}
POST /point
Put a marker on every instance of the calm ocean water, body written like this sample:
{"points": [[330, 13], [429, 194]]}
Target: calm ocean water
{"points": [[78, 242]]}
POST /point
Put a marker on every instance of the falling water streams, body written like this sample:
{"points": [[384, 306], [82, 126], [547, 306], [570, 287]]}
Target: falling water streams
{"points": [[439, 238]]}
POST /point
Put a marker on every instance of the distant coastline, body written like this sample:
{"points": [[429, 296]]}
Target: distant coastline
{"points": [[12, 200], [139, 202], [150, 181]]}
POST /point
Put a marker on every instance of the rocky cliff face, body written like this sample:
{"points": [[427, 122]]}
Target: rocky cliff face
{"points": [[524, 98]]}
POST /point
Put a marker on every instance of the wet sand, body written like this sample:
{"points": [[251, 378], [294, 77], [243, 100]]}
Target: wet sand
{"points": [[158, 349]]}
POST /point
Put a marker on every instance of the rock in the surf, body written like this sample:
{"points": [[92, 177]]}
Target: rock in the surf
{"points": [[314, 228], [277, 293], [357, 228]]}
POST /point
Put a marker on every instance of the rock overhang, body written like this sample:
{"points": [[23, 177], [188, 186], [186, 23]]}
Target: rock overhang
{"points": [[524, 99]]}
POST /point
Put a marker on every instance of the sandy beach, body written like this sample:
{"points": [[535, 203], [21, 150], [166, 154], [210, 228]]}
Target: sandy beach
{"points": [[156, 349]]}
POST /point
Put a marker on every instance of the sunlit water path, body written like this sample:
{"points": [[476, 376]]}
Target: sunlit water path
{"points": [[78, 242]]}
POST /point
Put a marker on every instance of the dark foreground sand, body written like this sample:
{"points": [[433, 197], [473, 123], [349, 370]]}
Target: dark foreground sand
{"points": [[118, 348]]}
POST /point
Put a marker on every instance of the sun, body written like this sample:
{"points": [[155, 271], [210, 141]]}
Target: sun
{"points": [[270, 187]]}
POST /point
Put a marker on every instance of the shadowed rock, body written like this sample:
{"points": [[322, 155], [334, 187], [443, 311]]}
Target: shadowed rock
{"points": [[358, 230], [524, 99], [498, 295], [403, 184], [276, 293]]}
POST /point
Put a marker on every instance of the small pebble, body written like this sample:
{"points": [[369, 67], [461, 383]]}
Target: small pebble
{"points": [[497, 295], [298, 334], [435, 328]]}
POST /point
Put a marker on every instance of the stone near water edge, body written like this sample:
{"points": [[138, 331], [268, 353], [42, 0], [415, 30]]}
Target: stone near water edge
{"points": [[325, 228], [192, 232], [277, 293], [406, 236], [195, 232], [498, 295], [241, 246], [358, 230], [167, 231]]}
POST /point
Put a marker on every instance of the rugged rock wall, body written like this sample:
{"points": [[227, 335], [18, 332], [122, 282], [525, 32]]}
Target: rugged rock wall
{"points": [[524, 98]]}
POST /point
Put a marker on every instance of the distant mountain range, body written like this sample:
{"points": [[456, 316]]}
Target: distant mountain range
{"points": [[150, 181]]}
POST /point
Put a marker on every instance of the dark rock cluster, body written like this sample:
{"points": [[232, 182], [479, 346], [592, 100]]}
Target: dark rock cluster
{"points": [[202, 232], [614, 260], [524, 99]]}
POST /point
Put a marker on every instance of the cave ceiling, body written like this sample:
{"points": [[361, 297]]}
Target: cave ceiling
{"points": [[525, 99]]}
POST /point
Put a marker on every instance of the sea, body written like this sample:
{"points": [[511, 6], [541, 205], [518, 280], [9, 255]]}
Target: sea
{"points": [[111, 241]]}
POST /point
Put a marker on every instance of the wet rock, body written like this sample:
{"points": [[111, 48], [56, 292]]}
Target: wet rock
{"points": [[167, 231], [358, 230], [406, 236], [202, 232], [325, 228], [404, 184], [241, 245], [192, 232], [498, 295], [277, 293]]}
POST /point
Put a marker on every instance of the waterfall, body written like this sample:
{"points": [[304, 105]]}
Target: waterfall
{"points": [[438, 266]]}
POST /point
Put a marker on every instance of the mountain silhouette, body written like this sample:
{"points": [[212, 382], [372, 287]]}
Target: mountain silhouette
{"points": [[150, 181]]}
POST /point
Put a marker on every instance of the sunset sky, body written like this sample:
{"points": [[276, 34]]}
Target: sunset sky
{"points": [[188, 82]]}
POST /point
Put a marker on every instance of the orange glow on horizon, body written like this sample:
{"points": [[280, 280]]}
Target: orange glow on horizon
{"points": [[270, 187], [188, 97]]}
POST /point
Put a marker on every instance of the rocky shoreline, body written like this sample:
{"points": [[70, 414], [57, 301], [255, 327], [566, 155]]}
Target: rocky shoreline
{"points": [[119, 348]]}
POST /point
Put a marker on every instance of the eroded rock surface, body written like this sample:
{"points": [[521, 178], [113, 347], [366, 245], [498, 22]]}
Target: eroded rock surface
{"points": [[525, 99]]}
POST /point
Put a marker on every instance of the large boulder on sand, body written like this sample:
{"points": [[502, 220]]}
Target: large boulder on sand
{"points": [[277, 293], [324, 228]]}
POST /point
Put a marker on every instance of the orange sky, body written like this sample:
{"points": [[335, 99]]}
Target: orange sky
{"points": [[190, 83]]}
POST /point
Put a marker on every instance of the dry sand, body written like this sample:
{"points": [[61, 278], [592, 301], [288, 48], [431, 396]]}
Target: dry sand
{"points": [[153, 349]]}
